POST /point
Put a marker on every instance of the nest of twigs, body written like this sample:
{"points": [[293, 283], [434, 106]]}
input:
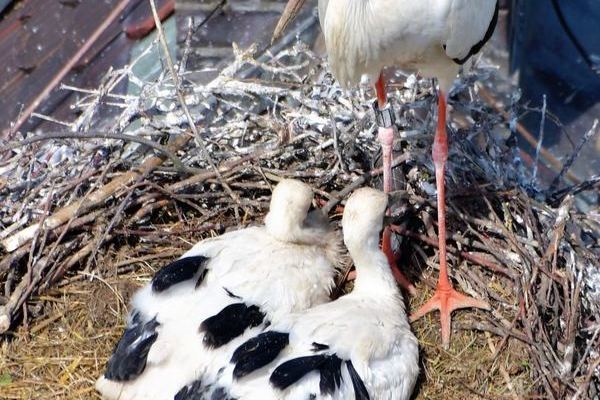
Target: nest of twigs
{"points": [[89, 212]]}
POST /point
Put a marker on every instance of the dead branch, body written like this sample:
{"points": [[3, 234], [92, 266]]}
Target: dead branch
{"points": [[103, 135], [96, 198]]}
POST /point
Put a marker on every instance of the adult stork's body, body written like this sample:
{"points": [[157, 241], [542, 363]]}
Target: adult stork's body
{"points": [[433, 37]]}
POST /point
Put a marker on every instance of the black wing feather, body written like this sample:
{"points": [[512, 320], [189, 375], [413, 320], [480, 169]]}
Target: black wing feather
{"points": [[179, 271], [291, 371], [197, 391], [331, 375], [231, 294], [360, 390], [193, 391], [221, 394], [257, 352], [131, 352], [229, 323], [319, 347]]}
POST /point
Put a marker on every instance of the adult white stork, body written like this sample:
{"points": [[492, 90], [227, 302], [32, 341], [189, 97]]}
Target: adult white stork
{"points": [[197, 307], [433, 37], [359, 346]]}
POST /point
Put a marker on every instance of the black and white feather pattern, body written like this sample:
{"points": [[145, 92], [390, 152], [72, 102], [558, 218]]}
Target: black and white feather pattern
{"points": [[179, 271], [130, 355], [222, 292], [131, 352], [359, 346], [229, 323], [257, 352]]}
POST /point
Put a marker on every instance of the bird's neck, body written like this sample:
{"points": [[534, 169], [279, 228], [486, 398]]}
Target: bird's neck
{"points": [[373, 274]]}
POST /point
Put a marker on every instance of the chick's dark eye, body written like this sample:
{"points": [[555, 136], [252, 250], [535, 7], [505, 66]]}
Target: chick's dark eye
{"points": [[312, 207]]}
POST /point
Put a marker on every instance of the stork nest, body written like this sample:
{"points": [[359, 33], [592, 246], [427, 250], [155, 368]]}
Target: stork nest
{"points": [[88, 213]]}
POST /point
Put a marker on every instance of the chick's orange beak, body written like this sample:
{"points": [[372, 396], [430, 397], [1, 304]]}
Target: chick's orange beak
{"points": [[291, 10]]}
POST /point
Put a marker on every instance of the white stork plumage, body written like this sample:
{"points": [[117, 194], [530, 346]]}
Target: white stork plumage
{"points": [[433, 37], [218, 294], [359, 346]]}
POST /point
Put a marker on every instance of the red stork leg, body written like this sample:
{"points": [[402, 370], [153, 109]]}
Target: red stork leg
{"points": [[445, 298], [380, 90], [386, 139]]}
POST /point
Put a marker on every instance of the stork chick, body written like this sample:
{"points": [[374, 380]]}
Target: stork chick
{"points": [[185, 320], [359, 346]]}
